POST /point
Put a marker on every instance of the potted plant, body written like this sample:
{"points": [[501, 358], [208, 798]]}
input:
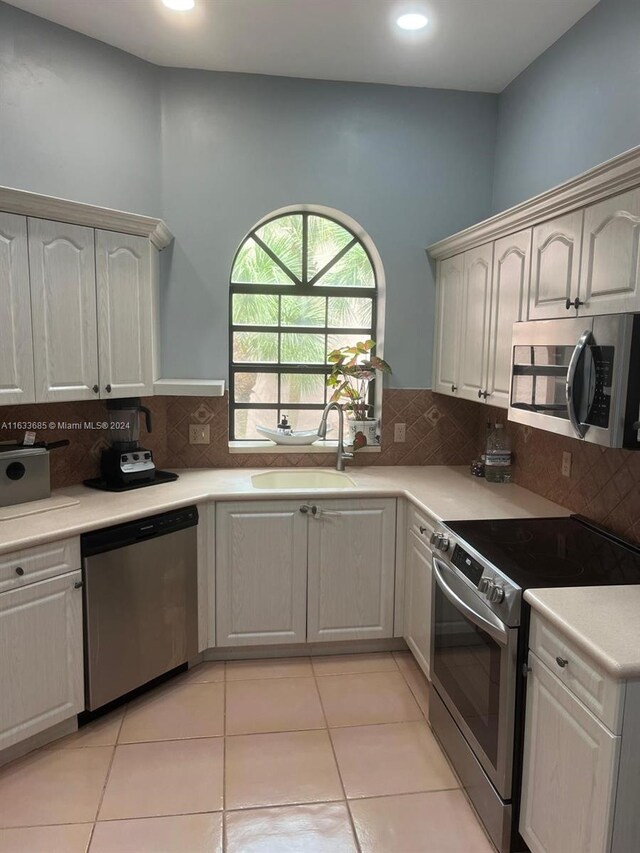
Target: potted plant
{"points": [[353, 369]]}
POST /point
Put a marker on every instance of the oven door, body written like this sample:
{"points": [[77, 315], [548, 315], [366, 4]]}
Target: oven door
{"points": [[473, 667]]}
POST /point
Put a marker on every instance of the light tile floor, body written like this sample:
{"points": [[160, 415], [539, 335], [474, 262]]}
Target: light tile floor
{"points": [[329, 755]]}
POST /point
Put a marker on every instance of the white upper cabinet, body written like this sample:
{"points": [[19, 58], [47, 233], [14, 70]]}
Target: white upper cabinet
{"points": [[476, 306], [610, 273], [351, 570], [16, 342], [555, 267], [63, 305], [125, 323], [448, 302], [511, 267]]}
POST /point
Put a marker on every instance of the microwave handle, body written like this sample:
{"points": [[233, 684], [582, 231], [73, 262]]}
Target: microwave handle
{"points": [[496, 630], [585, 340]]}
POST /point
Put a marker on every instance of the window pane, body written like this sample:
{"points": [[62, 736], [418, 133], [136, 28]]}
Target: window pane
{"points": [[326, 238], [302, 419], [340, 341], [350, 311], [302, 349], [258, 310], [255, 346], [284, 237], [352, 270], [256, 387], [302, 388], [303, 311], [254, 266], [246, 421]]}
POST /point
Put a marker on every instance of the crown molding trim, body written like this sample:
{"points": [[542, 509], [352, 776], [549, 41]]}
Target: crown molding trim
{"points": [[614, 176], [77, 213]]}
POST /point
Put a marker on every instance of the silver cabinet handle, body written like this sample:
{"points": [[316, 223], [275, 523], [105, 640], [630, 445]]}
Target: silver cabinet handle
{"points": [[78, 585], [454, 388], [562, 662], [19, 571], [423, 530], [306, 508]]}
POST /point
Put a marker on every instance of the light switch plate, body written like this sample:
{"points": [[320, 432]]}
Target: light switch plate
{"points": [[400, 433], [566, 464], [199, 434]]}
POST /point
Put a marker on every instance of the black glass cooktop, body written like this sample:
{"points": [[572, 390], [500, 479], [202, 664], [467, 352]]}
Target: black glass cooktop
{"points": [[548, 552]]}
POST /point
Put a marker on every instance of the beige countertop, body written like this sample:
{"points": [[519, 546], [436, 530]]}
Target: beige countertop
{"points": [[446, 493], [603, 621]]}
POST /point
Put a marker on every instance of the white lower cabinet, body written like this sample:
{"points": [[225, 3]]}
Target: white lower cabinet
{"points": [[261, 573], [41, 657], [417, 612], [570, 767], [352, 545], [581, 766], [289, 576]]}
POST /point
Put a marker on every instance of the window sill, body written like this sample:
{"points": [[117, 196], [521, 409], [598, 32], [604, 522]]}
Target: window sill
{"points": [[300, 449]]}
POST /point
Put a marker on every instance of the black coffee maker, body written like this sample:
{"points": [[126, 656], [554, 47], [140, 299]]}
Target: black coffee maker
{"points": [[125, 462]]}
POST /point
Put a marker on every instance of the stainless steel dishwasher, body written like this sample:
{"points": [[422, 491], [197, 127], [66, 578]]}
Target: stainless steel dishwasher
{"points": [[140, 596]]}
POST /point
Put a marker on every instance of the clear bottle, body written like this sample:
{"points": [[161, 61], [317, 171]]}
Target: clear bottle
{"points": [[498, 456]]}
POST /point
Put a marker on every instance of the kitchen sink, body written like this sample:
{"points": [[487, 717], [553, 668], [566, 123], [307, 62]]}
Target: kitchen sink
{"points": [[302, 480]]}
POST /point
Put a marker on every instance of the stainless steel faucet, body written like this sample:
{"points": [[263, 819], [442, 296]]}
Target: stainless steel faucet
{"points": [[341, 454]]}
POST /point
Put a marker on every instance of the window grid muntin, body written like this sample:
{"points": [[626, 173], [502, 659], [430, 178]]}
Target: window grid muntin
{"points": [[299, 288]]}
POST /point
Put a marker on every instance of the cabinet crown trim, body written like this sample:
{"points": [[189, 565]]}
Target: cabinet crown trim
{"points": [[77, 213], [614, 176]]}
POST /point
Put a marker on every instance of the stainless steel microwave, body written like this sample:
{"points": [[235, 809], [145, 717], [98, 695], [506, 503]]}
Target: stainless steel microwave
{"points": [[579, 377]]}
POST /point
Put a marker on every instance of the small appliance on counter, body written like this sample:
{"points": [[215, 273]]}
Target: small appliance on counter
{"points": [[24, 471], [126, 465]]}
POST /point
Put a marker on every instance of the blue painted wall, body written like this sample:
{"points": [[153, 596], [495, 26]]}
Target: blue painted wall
{"points": [[78, 119], [411, 165], [577, 105]]}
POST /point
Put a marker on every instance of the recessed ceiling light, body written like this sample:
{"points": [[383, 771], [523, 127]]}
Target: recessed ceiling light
{"points": [[412, 21], [179, 5]]}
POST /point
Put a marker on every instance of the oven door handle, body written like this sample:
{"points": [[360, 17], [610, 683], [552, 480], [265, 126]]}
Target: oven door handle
{"points": [[583, 343], [494, 627]]}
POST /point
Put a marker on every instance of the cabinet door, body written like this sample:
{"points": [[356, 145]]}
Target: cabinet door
{"points": [[123, 282], [476, 307], [555, 266], [16, 340], [511, 266], [570, 767], [351, 570], [610, 272], [41, 663], [447, 330], [63, 307], [261, 573], [417, 618]]}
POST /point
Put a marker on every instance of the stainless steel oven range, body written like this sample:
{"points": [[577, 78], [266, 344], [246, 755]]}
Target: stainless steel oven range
{"points": [[479, 639]]}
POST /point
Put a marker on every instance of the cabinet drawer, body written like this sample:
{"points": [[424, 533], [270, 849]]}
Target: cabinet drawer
{"points": [[422, 525], [21, 568], [602, 694]]}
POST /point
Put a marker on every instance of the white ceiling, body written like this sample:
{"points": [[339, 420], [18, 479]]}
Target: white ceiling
{"points": [[478, 45]]}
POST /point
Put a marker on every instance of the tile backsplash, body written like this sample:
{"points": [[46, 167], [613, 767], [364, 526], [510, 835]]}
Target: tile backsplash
{"points": [[604, 484], [440, 430]]}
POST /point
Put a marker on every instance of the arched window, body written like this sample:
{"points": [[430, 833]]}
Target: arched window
{"points": [[303, 283]]}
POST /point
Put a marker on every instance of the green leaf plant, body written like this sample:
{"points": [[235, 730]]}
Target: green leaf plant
{"points": [[354, 368]]}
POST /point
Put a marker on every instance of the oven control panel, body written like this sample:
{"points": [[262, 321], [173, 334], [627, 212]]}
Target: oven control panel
{"points": [[469, 567], [490, 585]]}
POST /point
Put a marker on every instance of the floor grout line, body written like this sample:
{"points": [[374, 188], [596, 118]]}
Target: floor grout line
{"points": [[335, 758]]}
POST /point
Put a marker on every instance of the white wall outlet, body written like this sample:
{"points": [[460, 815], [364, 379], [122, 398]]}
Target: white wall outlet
{"points": [[400, 433], [566, 464], [199, 434]]}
